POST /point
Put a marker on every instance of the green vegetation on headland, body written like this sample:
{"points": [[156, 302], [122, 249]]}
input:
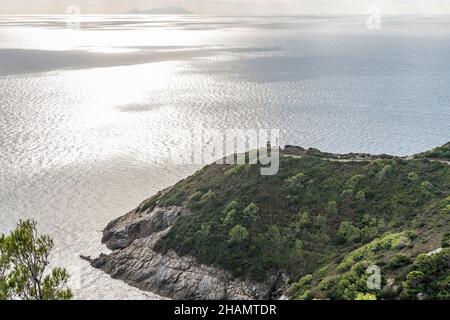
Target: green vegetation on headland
{"points": [[24, 258], [442, 152], [322, 221]]}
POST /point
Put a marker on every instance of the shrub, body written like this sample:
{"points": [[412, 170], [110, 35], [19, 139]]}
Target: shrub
{"points": [[361, 196], [238, 234], [251, 211], [446, 209], [297, 181], [306, 295], [442, 289], [304, 219], [209, 196], [446, 200], [234, 170], [196, 196], [233, 205], [332, 207], [297, 289], [368, 250], [387, 169], [428, 275], [398, 261], [446, 205], [446, 240], [365, 296], [230, 217], [413, 177], [298, 247], [426, 186], [347, 194], [353, 182], [320, 222], [412, 234], [368, 233], [374, 167], [354, 281], [348, 232], [415, 283]]}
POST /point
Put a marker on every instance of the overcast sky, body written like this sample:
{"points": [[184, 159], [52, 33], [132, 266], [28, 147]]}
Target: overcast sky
{"points": [[231, 7]]}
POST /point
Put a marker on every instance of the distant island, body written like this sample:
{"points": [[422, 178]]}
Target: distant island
{"points": [[320, 229], [163, 10]]}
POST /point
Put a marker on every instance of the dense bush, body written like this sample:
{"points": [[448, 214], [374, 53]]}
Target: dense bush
{"points": [[348, 233], [430, 276], [365, 296], [442, 152], [399, 260], [238, 233]]}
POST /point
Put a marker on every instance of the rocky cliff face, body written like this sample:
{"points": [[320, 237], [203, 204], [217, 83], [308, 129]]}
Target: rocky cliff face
{"points": [[134, 261]]}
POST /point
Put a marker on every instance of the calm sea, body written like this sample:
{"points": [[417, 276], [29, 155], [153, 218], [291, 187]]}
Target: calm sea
{"points": [[93, 111]]}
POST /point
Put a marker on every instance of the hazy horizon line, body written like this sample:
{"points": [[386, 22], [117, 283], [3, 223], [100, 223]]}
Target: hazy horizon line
{"points": [[230, 15]]}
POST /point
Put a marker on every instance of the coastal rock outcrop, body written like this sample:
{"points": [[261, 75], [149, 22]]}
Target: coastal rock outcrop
{"points": [[134, 261]]}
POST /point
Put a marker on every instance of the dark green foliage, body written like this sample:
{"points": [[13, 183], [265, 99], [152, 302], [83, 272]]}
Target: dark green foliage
{"points": [[383, 173], [348, 233], [430, 276], [238, 234], [398, 261], [446, 240], [413, 177], [315, 214], [251, 212], [445, 205], [352, 283], [347, 279], [361, 196], [347, 194], [442, 152], [24, 257], [332, 207]]}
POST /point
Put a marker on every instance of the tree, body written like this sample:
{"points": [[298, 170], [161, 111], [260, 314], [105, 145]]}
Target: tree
{"points": [[304, 219], [24, 257], [387, 169], [347, 194], [251, 211], [353, 182], [348, 232], [238, 233], [429, 276], [297, 181], [320, 222], [413, 177], [332, 207], [230, 217], [233, 205], [415, 283], [445, 243], [298, 247], [361, 196], [209, 196], [446, 209]]}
